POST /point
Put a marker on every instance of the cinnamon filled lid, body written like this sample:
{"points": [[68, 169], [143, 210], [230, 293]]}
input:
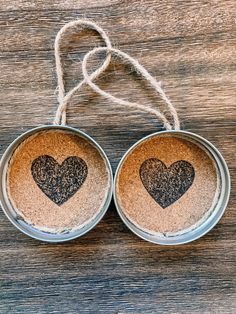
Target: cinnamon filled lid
{"points": [[57, 180], [167, 184]]}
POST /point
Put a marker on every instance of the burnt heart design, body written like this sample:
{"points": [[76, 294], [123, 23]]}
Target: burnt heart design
{"points": [[166, 185], [59, 182]]}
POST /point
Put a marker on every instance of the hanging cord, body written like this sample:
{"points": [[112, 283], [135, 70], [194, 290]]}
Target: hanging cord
{"points": [[63, 98], [140, 69]]}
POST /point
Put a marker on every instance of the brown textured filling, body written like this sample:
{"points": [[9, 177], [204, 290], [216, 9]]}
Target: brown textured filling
{"points": [[57, 181], [167, 184]]}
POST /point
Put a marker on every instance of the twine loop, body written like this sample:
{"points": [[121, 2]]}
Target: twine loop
{"points": [[63, 98]]}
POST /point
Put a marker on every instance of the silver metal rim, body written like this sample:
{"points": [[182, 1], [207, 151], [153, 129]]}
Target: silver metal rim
{"points": [[26, 228], [210, 222]]}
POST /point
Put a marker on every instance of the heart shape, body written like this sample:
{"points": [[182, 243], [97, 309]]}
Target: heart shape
{"points": [[59, 182], [166, 185]]}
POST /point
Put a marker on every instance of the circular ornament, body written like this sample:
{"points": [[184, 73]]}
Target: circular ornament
{"points": [[56, 181], [171, 187]]}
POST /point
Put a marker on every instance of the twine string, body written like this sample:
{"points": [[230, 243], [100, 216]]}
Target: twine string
{"points": [[63, 98], [140, 69]]}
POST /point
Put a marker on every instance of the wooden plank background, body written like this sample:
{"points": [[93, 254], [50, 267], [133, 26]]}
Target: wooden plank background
{"points": [[190, 47]]}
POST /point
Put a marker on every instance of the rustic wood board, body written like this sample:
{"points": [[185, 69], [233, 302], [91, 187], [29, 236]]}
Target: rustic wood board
{"points": [[190, 47]]}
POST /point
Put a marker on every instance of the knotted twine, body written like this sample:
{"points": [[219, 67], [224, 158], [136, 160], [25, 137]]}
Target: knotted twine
{"points": [[63, 98]]}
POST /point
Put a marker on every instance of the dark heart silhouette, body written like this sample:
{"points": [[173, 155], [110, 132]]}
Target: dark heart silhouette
{"points": [[166, 185], [59, 182]]}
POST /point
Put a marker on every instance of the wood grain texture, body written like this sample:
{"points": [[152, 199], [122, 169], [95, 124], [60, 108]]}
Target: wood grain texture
{"points": [[190, 47]]}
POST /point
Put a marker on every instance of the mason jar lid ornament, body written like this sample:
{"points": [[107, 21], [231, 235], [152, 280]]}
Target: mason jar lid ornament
{"points": [[56, 181], [171, 187]]}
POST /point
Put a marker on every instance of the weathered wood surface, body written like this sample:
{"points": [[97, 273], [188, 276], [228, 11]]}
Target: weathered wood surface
{"points": [[190, 46]]}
